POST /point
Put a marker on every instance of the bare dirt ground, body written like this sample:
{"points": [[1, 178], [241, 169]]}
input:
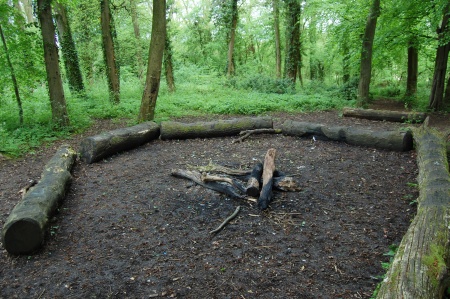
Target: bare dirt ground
{"points": [[127, 229]]}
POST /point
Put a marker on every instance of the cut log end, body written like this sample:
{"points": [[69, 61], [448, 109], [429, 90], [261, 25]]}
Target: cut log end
{"points": [[23, 236]]}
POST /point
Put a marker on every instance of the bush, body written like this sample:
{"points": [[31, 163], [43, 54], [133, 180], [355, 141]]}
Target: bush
{"points": [[262, 84], [349, 90]]}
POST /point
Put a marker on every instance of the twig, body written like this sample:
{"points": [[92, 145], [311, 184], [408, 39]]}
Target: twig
{"points": [[226, 220], [247, 133], [211, 167]]}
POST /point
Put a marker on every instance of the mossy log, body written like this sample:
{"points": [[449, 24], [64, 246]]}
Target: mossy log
{"points": [[220, 128], [385, 115], [389, 140], [24, 230], [100, 146], [420, 267]]}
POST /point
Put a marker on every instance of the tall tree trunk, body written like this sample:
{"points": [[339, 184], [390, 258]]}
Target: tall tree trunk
{"points": [[137, 35], [234, 19], [447, 92], [55, 87], [413, 69], [13, 76], [345, 61], [292, 40], [28, 10], [112, 67], [313, 72], [150, 94], [366, 55], [168, 65], [440, 66], [276, 24], [69, 52]]}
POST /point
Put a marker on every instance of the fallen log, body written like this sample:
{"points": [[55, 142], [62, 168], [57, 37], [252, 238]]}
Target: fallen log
{"points": [[385, 115], [24, 230], [220, 128], [196, 177], [215, 178], [420, 266], [265, 196], [252, 188], [95, 148], [211, 167], [388, 140]]}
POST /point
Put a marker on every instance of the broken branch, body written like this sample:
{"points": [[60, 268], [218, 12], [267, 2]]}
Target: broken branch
{"points": [[225, 222]]}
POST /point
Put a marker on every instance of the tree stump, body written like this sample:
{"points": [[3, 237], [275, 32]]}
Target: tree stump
{"points": [[95, 148], [24, 230], [420, 267], [220, 128], [385, 115]]}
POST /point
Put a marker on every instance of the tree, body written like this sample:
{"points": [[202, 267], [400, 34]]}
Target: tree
{"points": [[157, 43], [276, 25], [137, 35], [168, 57], [13, 76], [68, 49], [232, 37], [366, 54], [112, 66], [440, 66], [51, 57], [292, 58], [412, 71]]}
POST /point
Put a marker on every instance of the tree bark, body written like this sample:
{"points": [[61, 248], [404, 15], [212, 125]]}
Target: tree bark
{"points": [[168, 58], [220, 128], [420, 267], [112, 66], [366, 55], [252, 188], [24, 230], [137, 35], [413, 70], [68, 49], [385, 115], [232, 38], [389, 140], [153, 78], [276, 25], [13, 77], [55, 86], [265, 196], [95, 148], [292, 40]]}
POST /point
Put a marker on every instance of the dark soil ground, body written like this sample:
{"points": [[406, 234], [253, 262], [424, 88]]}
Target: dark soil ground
{"points": [[128, 229]]}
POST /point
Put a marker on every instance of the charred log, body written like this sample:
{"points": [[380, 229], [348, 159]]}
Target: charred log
{"points": [[253, 184], [265, 197]]}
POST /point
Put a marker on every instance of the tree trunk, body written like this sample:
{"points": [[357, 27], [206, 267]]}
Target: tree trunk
{"points": [[420, 267], [447, 92], [234, 19], [168, 65], [137, 35], [388, 140], [276, 25], [265, 196], [385, 115], [220, 128], [55, 86], [112, 66], [25, 228], [95, 148], [292, 40], [155, 57], [28, 10], [413, 70], [69, 52], [13, 77], [366, 55], [345, 61]]}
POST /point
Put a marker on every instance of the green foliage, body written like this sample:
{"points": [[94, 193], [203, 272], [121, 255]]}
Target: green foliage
{"points": [[263, 84], [393, 248]]}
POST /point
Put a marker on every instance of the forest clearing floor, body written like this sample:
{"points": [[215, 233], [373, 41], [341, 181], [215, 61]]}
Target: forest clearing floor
{"points": [[128, 229]]}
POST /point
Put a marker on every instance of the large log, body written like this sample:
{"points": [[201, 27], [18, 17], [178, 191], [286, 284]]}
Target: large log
{"points": [[178, 130], [420, 267], [265, 196], [389, 140], [385, 115], [24, 230], [100, 146]]}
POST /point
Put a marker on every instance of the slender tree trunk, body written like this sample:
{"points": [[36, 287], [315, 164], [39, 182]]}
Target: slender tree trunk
{"points": [[13, 76], [413, 69], [168, 65], [366, 55], [112, 67], [55, 87], [150, 95], [440, 66], [292, 40], [28, 9], [313, 72], [69, 52], [231, 70], [276, 23], [345, 61], [137, 35], [447, 92]]}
